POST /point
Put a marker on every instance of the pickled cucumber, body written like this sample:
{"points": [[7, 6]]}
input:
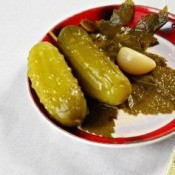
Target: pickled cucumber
{"points": [[55, 85], [100, 78]]}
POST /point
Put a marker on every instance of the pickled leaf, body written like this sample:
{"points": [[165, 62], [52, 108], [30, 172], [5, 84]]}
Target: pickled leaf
{"points": [[139, 40], [100, 120], [124, 14], [128, 39], [107, 28], [152, 22]]}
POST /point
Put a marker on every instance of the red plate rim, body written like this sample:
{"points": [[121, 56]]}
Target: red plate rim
{"points": [[155, 135]]}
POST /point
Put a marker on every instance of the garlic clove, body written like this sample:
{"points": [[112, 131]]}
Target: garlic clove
{"points": [[134, 62]]}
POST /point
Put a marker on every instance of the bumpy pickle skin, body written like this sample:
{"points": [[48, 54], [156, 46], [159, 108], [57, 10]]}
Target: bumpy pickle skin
{"points": [[100, 78], [55, 85]]}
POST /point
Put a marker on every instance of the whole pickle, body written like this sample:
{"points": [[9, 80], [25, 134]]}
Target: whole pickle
{"points": [[55, 85], [99, 77]]}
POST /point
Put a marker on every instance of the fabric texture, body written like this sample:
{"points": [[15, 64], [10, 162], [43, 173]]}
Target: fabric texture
{"points": [[29, 144]]}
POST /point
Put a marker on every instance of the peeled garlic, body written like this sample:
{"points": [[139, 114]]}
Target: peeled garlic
{"points": [[134, 62]]}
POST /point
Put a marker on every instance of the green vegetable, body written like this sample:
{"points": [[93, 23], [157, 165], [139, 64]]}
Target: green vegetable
{"points": [[55, 85], [99, 77]]}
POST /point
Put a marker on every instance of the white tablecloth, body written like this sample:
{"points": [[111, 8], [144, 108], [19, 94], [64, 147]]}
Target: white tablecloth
{"points": [[29, 144]]}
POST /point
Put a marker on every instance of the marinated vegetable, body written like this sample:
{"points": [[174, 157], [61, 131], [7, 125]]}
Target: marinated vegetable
{"points": [[55, 85], [99, 77]]}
